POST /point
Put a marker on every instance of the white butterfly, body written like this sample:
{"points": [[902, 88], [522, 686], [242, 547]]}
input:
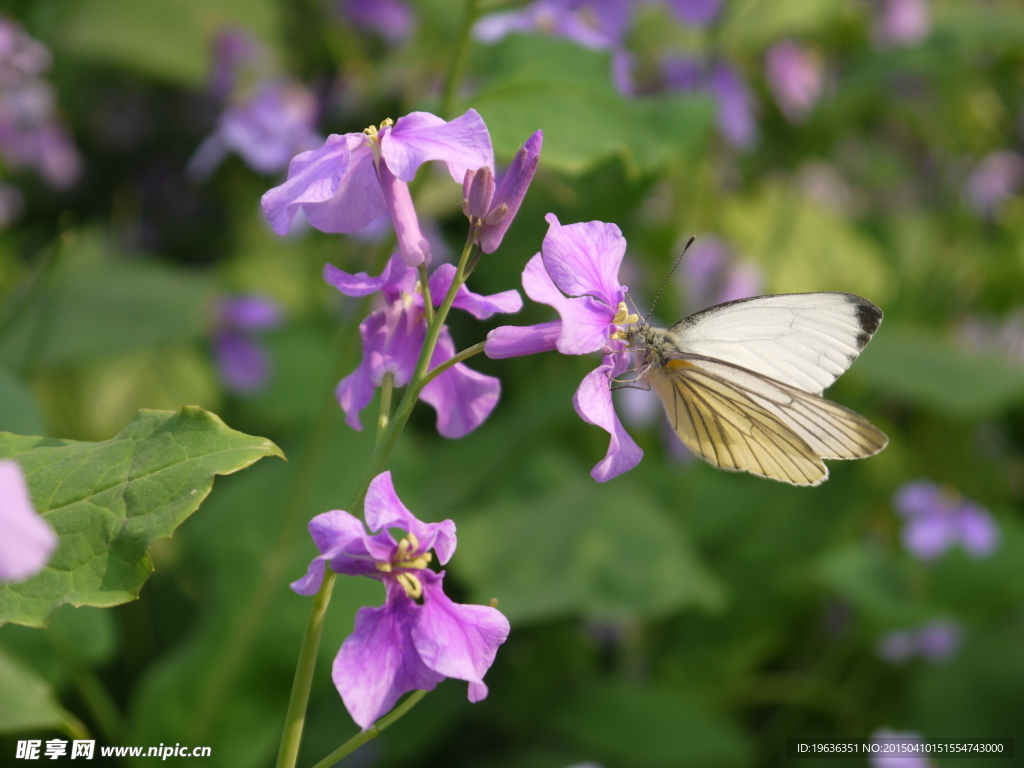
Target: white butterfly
{"points": [[741, 382]]}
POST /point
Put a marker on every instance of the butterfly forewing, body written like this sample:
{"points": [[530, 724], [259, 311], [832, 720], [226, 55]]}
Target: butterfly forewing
{"points": [[805, 340]]}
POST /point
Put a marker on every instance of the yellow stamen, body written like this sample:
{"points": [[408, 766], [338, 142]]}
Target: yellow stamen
{"points": [[412, 586], [620, 335], [622, 315], [384, 567], [387, 122]]}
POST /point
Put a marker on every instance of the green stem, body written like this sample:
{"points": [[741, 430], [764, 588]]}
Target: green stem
{"points": [[465, 354], [295, 718], [372, 732], [454, 74], [384, 416], [428, 303]]}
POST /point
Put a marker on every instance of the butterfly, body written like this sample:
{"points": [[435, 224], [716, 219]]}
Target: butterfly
{"points": [[741, 382]]}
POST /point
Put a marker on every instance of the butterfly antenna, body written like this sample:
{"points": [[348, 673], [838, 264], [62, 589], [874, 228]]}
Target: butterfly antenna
{"points": [[665, 281]]}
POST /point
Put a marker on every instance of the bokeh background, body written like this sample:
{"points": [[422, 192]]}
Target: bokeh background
{"points": [[676, 616]]}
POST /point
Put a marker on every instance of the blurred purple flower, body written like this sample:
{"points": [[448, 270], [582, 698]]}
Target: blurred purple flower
{"points": [[391, 19], [937, 642], [1003, 337], [242, 361], [734, 101], [393, 338], [356, 178], [896, 759], [596, 24], [937, 519], [901, 22], [998, 176], [419, 636], [26, 539], [266, 130], [238, 60], [582, 261], [795, 75], [30, 134], [712, 275], [696, 12]]}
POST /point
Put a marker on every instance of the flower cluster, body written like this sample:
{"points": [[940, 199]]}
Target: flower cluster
{"points": [[937, 519], [936, 641], [796, 75], [26, 540], [419, 636], [393, 337], [31, 136], [267, 118]]}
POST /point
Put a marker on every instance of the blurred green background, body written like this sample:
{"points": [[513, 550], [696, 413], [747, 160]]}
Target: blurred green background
{"points": [[675, 616]]}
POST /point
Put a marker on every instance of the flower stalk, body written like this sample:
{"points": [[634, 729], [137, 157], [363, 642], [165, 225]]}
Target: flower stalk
{"points": [[372, 732]]}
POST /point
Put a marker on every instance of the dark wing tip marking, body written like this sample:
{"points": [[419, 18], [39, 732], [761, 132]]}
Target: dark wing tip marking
{"points": [[869, 317]]}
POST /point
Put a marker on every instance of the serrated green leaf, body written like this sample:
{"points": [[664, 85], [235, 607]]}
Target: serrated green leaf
{"points": [[27, 701], [535, 82], [937, 374], [109, 500]]}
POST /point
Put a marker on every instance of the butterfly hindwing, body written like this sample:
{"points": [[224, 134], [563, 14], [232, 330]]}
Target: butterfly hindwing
{"points": [[744, 421]]}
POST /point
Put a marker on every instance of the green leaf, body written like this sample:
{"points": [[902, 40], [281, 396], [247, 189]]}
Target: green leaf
{"points": [[882, 587], [27, 702], [108, 501], [169, 39], [535, 82], [750, 25], [940, 375], [675, 729], [18, 410], [96, 304], [600, 551]]}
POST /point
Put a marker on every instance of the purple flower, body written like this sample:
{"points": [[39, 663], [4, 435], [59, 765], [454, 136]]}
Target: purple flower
{"points": [[237, 58], [358, 177], [937, 519], [734, 101], [712, 275], [901, 22], [419, 636], [393, 338], [391, 19], [502, 206], [242, 361], [696, 12], [795, 75], [26, 539], [581, 260], [266, 130], [895, 758], [30, 134], [937, 641], [995, 179], [596, 24]]}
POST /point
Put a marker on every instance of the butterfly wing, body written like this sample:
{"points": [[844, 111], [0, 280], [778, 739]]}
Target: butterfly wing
{"points": [[741, 420], [804, 340]]}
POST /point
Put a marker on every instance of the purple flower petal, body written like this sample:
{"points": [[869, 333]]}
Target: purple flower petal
{"points": [[940, 640], [462, 397], [918, 498], [928, 536], [464, 144], [515, 341], [251, 312], [480, 307], [593, 403], [336, 186], [359, 284], [897, 647], [477, 192], [391, 19], [379, 662], [795, 75], [392, 341], [413, 245], [243, 363], [459, 641], [893, 758], [584, 259], [355, 391], [586, 323], [696, 12], [383, 510], [26, 539], [979, 534], [735, 106], [512, 189]]}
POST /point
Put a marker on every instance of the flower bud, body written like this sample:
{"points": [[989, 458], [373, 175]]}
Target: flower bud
{"points": [[511, 191], [477, 191]]}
